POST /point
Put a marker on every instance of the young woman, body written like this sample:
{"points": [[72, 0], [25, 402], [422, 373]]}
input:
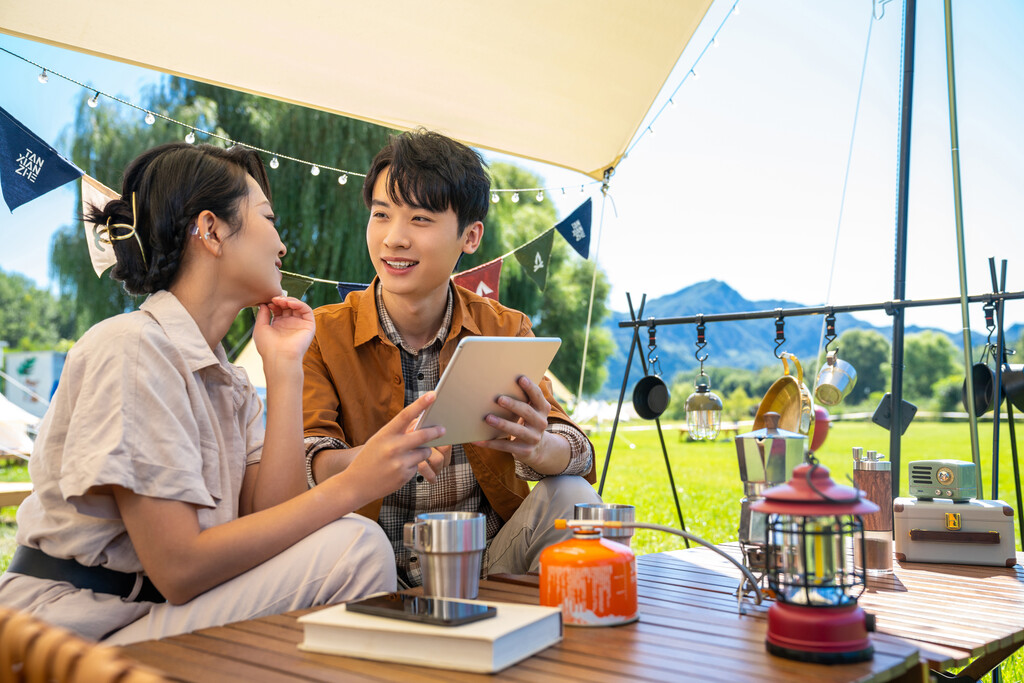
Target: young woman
{"points": [[160, 505]]}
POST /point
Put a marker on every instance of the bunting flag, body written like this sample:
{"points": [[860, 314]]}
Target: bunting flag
{"points": [[294, 284], [576, 228], [534, 255], [29, 167], [346, 288], [95, 193], [483, 280]]}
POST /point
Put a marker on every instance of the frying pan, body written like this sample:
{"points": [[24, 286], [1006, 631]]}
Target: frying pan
{"points": [[791, 399]]}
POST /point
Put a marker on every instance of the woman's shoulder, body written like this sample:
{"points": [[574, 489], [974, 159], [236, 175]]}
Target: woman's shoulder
{"points": [[119, 334]]}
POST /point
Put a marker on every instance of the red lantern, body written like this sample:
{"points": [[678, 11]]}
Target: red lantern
{"points": [[811, 522]]}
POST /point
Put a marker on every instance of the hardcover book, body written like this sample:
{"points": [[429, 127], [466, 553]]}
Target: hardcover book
{"points": [[487, 646]]}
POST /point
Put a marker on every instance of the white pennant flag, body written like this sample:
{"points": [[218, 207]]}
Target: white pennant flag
{"points": [[97, 194]]}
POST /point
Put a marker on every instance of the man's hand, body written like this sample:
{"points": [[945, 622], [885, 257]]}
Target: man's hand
{"points": [[527, 438]]}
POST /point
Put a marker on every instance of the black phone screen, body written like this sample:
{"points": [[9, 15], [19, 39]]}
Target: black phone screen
{"points": [[417, 608]]}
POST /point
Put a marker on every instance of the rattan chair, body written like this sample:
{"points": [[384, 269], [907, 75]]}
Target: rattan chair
{"points": [[32, 651]]}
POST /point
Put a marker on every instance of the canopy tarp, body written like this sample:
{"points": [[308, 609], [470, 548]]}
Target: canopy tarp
{"points": [[567, 82]]}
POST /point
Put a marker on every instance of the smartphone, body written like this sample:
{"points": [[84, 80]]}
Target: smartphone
{"points": [[417, 608]]}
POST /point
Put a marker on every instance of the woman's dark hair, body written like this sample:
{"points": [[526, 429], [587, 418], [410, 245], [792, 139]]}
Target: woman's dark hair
{"points": [[431, 171], [173, 184]]}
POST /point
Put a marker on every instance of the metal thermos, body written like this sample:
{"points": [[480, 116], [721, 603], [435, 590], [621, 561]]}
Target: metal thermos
{"points": [[873, 476]]}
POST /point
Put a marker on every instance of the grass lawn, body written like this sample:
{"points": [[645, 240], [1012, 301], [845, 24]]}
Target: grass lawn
{"points": [[707, 479]]}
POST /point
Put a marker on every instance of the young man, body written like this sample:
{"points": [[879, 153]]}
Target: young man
{"points": [[385, 346]]}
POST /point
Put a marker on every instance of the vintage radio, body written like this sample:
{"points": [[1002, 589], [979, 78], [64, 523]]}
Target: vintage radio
{"points": [[952, 479], [971, 532]]}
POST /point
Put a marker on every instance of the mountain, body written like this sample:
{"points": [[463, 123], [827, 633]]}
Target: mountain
{"points": [[740, 344]]}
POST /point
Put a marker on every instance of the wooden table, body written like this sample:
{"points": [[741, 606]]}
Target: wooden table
{"points": [[689, 629]]}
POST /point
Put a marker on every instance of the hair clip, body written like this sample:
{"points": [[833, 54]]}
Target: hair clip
{"points": [[107, 236]]}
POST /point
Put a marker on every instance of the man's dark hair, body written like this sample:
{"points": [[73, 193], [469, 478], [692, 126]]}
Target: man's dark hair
{"points": [[430, 171]]}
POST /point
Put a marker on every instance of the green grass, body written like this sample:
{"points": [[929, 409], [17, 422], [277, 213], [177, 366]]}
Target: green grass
{"points": [[707, 480]]}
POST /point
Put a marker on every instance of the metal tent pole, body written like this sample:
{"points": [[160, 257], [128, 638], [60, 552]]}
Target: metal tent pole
{"points": [[899, 277], [961, 256]]}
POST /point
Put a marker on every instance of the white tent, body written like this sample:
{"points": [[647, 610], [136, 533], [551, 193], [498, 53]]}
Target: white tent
{"points": [[566, 82], [15, 424]]}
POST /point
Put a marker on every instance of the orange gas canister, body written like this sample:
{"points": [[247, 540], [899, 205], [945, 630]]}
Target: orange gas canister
{"points": [[592, 578]]}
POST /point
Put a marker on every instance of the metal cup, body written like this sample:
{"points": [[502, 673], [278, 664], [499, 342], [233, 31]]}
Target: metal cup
{"points": [[609, 512], [835, 380], [450, 547]]}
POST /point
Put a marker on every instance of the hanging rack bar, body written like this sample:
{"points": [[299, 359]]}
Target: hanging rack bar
{"points": [[887, 306]]}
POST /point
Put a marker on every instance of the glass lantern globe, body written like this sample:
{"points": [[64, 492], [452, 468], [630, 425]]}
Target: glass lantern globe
{"points": [[811, 523], [703, 411]]}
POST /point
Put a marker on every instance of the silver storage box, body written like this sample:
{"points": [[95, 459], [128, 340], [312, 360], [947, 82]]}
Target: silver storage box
{"points": [[971, 532]]}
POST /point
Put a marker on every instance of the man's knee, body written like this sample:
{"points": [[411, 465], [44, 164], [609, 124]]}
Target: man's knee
{"points": [[564, 492]]}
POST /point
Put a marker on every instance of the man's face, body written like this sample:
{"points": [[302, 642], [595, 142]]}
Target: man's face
{"points": [[414, 250]]}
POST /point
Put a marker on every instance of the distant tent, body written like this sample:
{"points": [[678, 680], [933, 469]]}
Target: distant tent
{"points": [[15, 424]]}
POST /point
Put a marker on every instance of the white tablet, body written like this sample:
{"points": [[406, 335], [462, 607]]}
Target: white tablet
{"points": [[481, 370]]}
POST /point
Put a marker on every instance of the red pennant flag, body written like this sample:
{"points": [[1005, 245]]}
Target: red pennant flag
{"points": [[482, 280]]}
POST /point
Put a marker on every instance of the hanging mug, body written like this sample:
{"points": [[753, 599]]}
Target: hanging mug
{"points": [[650, 397], [835, 380]]}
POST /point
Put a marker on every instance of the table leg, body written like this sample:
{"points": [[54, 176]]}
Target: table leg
{"points": [[985, 663]]}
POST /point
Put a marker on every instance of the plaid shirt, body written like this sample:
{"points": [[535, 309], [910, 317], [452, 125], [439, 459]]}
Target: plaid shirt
{"points": [[455, 488]]}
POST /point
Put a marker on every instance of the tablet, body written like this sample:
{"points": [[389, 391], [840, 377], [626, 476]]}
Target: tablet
{"points": [[481, 370]]}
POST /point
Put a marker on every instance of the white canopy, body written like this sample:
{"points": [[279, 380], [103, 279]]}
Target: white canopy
{"points": [[14, 426], [567, 82]]}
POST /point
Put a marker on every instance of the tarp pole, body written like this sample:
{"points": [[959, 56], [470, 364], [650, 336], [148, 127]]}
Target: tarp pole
{"points": [[960, 251], [899, 278]]}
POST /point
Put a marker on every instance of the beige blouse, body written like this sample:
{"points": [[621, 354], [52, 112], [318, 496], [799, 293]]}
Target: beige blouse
{"points": [[143, 403]]}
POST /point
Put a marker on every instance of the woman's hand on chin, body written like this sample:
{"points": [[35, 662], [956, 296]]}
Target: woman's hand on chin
{"points": [[284, 328]]}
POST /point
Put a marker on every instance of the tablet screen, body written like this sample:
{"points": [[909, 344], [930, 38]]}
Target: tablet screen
{"points": [[481, 370]]}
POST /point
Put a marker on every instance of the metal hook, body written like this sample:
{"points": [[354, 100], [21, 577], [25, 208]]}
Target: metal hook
{"points": [[780, 332], [652, 345], [700, 343], [990, 324], [830, 329]]}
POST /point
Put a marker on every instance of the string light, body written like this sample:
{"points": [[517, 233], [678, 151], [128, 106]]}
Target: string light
{"points": [[190, 136], [696, 76], [671, 102]]}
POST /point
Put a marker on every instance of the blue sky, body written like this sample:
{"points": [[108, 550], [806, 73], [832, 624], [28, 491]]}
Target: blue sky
{"points": [[742, 179]]}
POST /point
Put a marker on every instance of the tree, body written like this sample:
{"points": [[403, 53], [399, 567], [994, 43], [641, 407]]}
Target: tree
{"points": [[31, 319], [869, 353], [927, 357], [322, 221]]}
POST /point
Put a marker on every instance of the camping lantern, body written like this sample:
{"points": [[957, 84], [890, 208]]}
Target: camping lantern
{"points": [[811, 522]]}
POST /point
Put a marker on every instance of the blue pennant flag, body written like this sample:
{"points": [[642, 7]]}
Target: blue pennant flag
{"points": [[576, 229], [29, 167], [344, 288]]}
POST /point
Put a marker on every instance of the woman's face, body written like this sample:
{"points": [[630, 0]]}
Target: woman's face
{"points": [[253, 253]]}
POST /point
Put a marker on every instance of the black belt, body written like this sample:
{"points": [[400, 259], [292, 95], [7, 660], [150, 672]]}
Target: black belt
{"points": [[34, 562]]}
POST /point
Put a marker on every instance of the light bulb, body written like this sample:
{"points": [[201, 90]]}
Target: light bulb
{"points": [[703, 411], [696, 76], [191, 137], [94, 101], [43, 77], [150, 119], [274, 163], [315, 170], [736, 8], [714, 41], [581, 188], [650, 131], [671, 102], [515, 197], [494, 198], [343, 179], [540, 196]]}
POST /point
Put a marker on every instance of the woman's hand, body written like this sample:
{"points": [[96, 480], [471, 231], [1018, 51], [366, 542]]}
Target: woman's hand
{"points": [[287, 335], [394, 454]]}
